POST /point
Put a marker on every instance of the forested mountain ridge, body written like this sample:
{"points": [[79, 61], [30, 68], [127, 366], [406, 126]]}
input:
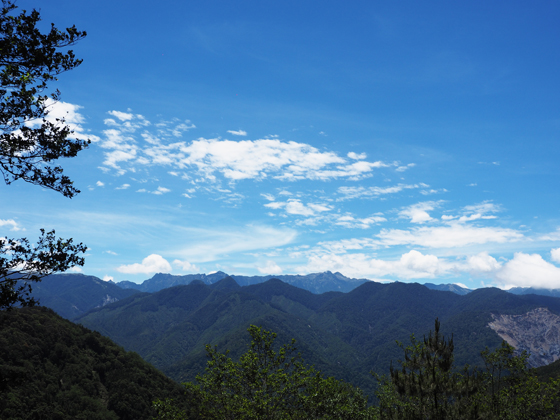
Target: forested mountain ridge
{"points": [[343, 334], [51, 368]]}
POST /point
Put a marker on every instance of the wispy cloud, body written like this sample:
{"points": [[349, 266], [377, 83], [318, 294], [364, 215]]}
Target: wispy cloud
{"points": [[455, 235], [11, 223], [405, 167], [238, 132], [158, 191], [212, 245], [296, 207], [185, 266], [349, 193], [349, 221]]}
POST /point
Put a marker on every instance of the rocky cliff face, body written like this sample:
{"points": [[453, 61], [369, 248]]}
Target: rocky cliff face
{"points": [[537, 332]]}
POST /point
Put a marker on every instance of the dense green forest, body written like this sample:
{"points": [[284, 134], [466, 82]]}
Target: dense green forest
{"points": [[51, 368], [272, 382]]}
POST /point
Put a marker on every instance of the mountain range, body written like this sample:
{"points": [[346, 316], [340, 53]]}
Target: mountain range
{"points": [[316, 282], [346, 335]]}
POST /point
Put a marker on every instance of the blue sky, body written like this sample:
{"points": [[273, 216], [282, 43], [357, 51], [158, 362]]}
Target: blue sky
{"points": [[411, 141]]}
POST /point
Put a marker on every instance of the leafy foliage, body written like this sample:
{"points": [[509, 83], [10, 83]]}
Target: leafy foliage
{"points": [[29, 60], [266, 383], [426, 386], [22, 263], [29, 142], [429, 387]]}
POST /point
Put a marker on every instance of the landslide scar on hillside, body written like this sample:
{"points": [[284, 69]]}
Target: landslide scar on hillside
{"points": [[537, 332]]}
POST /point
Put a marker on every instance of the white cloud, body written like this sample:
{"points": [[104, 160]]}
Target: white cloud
{"points": [[100, 184], [529, 270], [418, 213], [405, 167], [481, 211], [455, 235], [411, 265], [482, 208], [433, 191], [123, 187], [75, 269], [14, 226], [161, 190], [371, 192], [128, 122], [270, 268], [185, 266], [153, 263], [553, 236], [110, 252], [555, 255], [234, 160], [357, 156], [350, 221], [419, 263], [482, 263], [122, 149], [275, 205], [123, 116], [296, 207], [269, 197], [238, 132], [158, 191], [474, 217], [108, 278], [344, 245], [181, 128]]}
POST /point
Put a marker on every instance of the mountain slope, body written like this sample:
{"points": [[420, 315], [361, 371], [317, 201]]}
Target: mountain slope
{"points": [[52, 368], [71, 295]]}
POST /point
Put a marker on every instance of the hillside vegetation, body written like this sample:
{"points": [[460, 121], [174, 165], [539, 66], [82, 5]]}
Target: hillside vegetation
{"points": [[51, 368]]}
